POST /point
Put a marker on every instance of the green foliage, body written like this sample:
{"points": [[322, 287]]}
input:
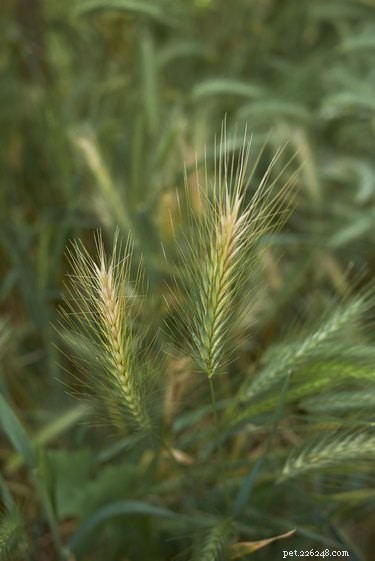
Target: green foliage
{"points": [[227, 373], [16, 433]]}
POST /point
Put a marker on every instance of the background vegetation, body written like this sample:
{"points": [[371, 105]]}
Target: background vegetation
{"points": [[102, 102]]}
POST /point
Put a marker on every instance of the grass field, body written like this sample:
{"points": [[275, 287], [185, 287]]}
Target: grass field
{"points": [[187, 211]]}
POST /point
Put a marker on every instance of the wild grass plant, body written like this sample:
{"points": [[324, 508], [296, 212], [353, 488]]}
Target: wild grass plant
{"points": [[209, 294], [217, 324]]}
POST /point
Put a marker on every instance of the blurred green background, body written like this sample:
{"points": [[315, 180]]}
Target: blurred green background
{"points": [[103, 102]]}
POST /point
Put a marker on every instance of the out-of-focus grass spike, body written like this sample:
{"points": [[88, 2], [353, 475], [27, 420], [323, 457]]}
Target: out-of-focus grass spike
{"points": [[330, 450], [293, 356], [214, 544], [12, 533]]}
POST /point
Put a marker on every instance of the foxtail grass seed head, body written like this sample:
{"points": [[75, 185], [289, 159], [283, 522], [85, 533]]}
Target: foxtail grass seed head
{"points": [[100, 307], [12, 533], [222, 251], [330, 450], [214, 543], [292, 357]]}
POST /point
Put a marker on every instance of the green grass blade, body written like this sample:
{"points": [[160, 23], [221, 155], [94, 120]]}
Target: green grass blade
{"points": [[120, 508], [16, 433], [150, 10]]}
